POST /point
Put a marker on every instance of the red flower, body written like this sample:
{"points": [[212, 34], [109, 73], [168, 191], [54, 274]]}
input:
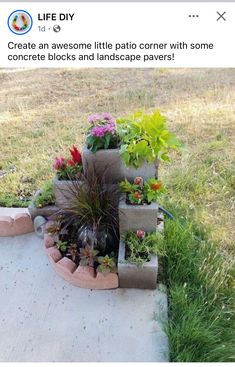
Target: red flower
{"points": [[137, 195], [156, 186], [71, 163], [59, 163], [138, 181], [140, 233], [76, 155]]}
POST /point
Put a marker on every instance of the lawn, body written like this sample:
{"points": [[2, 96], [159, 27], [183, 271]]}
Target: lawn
{"points": [[44, 111]]}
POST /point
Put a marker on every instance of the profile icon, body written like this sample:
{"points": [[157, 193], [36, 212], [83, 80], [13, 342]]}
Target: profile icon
{"points": [[20, 22]]}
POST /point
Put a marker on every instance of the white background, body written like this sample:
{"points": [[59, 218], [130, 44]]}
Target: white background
{"points": [[135, 22]]}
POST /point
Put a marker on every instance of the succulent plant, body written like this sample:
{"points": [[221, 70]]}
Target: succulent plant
{"points": [[107, 265], [88, 256], [73, 251]]}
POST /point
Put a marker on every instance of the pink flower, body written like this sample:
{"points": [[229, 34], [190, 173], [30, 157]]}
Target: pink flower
{"points": [[138, 181], [140, 233], [94, 118], [59, 163], [106, 116], [98, 131]]}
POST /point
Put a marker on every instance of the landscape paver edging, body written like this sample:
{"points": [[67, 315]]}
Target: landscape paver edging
{"points": [[18, 224], [80, 276]]}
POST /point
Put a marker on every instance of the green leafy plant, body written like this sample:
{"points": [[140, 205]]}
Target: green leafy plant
{"points": [[140, 246], [144, 137], [140, 192], [62, 246], [46, 196], [107, 265], [88, 256]]}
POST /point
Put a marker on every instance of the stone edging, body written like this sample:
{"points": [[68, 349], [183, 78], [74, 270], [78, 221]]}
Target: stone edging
{"points": [[81, 276], [21, 223]]}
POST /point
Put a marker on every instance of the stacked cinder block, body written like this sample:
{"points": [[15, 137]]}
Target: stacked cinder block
{"points": [[108, 165]]}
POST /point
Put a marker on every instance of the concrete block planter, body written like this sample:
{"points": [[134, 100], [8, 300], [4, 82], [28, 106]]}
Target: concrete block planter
{"points": [[46, 211], [146, 171], [135, 276], [80, 276], [106, 163], [133, 217], [63, 190]]}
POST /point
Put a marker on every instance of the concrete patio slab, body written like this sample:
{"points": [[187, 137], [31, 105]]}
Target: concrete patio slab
{"points": [[45, 319]]}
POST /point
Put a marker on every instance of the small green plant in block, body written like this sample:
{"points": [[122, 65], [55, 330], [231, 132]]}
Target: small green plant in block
{"points": [[141, 245], [46, 197], [140, 192]]}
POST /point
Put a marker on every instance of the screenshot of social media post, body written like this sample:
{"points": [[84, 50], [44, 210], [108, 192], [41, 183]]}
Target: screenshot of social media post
{"points": [[117, 182]]}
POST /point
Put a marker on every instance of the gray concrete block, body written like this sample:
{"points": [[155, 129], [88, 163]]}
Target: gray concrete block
{"points": [[146, 171], [64, 191], [136, 276], [133, 217], [106, 163], [46, 211]]}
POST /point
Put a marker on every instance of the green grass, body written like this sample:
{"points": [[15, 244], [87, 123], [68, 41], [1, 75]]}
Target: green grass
{"points": [[46, 197], [13, 202], [36, 124], [200, 283]]}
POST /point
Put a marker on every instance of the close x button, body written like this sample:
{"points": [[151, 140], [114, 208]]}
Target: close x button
{"points": [[221, 16]]}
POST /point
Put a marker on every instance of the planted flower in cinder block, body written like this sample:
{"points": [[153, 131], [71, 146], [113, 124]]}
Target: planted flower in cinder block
{"points": [[138, 207], [67, 172], [138, 259], [101, 152]]}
